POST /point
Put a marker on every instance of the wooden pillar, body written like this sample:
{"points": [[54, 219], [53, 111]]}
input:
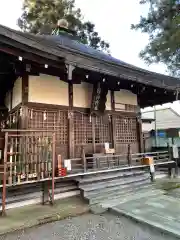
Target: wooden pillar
{"points": [[25, 88], [11, 99], [25, 97], [113, 121], [140, 134], [70, 69], [93, 134]]}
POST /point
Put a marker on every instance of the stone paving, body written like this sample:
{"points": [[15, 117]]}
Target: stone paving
{"points": [[91, 227], [33, 215], [161, 211]]}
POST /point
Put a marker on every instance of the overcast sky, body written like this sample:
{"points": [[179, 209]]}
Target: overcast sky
{"points": [[112, 18]]}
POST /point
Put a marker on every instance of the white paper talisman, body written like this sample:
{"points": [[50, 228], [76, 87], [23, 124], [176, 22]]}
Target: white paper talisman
{"points": [[67, 164], [152, 169]]}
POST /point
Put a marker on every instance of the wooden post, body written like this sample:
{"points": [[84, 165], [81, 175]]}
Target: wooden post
{"points": [[84, 159], [93, 134], [11, 99], [140, 134], [4, 176], [113, 121], [71, 122], [70, 69], [129, 156], [25, 88], [53, 167], [25, 98]]}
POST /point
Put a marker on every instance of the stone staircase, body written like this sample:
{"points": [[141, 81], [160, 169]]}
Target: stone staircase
{"points": [[103, 190]]}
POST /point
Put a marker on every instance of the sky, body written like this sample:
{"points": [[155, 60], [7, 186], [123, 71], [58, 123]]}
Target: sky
{"points": [[112, 19]]}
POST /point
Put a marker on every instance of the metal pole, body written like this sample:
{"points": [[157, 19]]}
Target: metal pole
{"points": [[4, 176]]}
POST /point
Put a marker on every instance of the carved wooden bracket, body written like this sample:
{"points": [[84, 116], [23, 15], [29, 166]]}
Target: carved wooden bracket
{"points": [[70, 68]]}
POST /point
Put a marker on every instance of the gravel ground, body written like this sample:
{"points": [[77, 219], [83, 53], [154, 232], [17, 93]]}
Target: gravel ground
{"points": [[90, 227]]}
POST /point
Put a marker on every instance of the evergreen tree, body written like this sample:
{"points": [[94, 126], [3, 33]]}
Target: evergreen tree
{"points": [[41, 16], [163, 26]]}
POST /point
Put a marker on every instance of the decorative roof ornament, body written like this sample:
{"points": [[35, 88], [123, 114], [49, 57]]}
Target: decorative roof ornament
{"points": [[63, 23], [62, 27]]}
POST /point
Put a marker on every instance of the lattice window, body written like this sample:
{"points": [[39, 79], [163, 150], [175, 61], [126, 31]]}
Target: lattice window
{"points": [[102, 130], [51, 120], [82, 129], [126, 130], [62, 127]]}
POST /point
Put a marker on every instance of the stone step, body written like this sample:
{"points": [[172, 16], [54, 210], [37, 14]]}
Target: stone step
{"points": [[98, 208], [118, 193], [144, 193], [109, 190], [110, 175], [111, 183]]}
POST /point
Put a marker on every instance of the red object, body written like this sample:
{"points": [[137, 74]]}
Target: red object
{"points": [[62, 172]]}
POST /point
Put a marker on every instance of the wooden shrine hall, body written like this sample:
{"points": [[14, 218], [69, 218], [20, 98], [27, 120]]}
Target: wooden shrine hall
{"points": [[87, 98]]}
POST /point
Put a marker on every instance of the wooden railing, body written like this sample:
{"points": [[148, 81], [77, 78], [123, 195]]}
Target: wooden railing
{"points": [[100, 162]]}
